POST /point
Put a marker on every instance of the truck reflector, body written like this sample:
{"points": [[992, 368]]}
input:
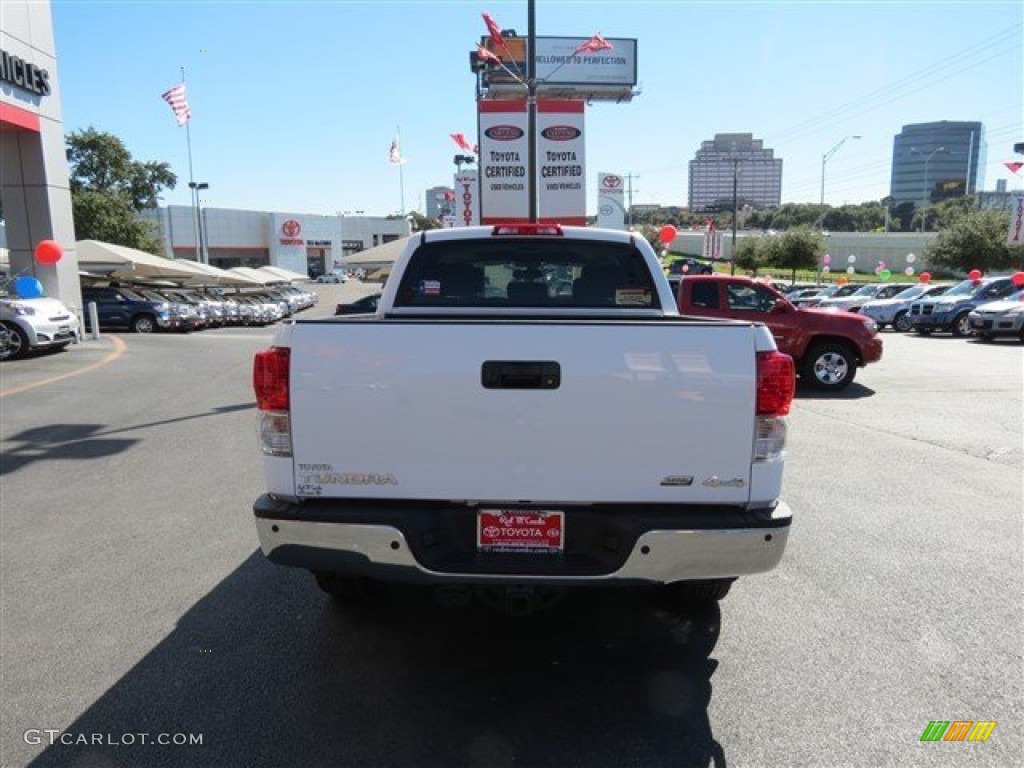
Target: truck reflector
{"points": [[270, 379]]}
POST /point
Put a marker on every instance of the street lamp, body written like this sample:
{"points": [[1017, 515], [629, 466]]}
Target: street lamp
{"points": [[824, 159], [202, 256], [926, 198]]}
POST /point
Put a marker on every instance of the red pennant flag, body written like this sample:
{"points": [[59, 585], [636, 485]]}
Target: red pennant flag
{"points": [[493, 28], [1014, 167], [460, 139], [485, 55], [593, 45]]}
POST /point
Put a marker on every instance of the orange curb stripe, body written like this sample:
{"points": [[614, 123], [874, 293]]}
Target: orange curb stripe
{"points": [[119, 348]]}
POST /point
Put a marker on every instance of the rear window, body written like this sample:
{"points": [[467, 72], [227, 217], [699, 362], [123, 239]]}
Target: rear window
{"points": [[527, 273]]}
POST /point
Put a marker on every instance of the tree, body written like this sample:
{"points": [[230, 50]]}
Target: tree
{"points": [[797, 248], [109, 189], [975, 240], [750, 253], [421, 222]]}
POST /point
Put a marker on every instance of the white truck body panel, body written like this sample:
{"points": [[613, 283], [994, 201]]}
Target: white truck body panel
{"points": [[391, 409]]}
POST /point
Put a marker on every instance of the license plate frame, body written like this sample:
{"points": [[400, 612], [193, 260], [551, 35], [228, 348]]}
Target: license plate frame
{"points": [[521, 531]]}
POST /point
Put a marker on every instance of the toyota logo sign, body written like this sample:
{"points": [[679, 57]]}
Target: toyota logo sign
{"points": [[612, 182], [291, 228]]}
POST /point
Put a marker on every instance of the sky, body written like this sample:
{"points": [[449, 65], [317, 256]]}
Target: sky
{"points": [[295, 104]]}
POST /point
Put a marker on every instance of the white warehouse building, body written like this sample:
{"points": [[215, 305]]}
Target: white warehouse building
{"points": [[301, 242]]}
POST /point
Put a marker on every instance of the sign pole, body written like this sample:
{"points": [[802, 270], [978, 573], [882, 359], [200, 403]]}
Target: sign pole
{"points": [[531, 106]]}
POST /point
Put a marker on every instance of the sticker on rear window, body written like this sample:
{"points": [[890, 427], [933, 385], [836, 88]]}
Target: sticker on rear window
{"points": [[429, 288], [632, 297]]}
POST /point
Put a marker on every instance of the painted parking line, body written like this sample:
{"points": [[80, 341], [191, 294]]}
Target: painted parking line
{"points": [[119, 347]]}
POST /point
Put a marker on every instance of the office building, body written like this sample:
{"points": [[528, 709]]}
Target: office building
{"points": [[758, 174], [937, 161]]}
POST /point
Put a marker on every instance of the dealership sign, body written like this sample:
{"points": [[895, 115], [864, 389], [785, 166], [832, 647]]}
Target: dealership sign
{"points": [[611, 211], [601, 74], [289, 249], [467, 199], [504, 180], [20, 73]]}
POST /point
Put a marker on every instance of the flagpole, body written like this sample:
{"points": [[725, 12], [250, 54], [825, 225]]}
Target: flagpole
{"points": [[192, 187], [401, 175]]}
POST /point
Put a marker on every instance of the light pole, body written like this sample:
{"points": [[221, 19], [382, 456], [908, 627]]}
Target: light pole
{"points": [[824, 159], [926, 198], [201, 252], [735, 212]]}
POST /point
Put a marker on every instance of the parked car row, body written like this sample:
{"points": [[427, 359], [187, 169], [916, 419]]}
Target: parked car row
{"points": [[142, 309], [967, 308]]}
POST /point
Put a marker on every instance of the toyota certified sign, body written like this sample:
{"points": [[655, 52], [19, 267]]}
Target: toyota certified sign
{"points": [[561, 133], [504, 132], [291, 228]]}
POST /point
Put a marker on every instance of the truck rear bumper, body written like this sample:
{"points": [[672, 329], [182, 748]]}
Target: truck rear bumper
{"points": [[652, 556]]}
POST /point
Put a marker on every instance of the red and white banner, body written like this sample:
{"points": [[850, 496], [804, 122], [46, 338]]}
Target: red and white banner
{"points": [[467, 201], [1015, 235], [561, 170]]}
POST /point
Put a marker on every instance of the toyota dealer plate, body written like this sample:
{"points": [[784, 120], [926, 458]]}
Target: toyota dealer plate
{"points": [[516, 530]]}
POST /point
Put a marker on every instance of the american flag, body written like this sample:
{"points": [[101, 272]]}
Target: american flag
{"points": [[395, 153], [175, 96]]}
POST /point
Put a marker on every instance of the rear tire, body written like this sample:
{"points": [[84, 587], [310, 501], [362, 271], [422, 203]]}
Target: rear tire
{"points": [[143, 324], [343, 587], [902, 322], [830, 366], [691, 593]]}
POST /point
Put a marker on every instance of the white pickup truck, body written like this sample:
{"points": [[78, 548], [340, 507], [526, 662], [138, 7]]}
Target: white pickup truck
{"points": [[526, 410]]}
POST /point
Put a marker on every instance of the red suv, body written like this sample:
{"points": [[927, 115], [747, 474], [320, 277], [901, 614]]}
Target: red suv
{"points": [[827, 345]]}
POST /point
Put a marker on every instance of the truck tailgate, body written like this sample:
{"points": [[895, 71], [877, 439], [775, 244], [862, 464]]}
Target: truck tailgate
{"points": [[642, 411]]}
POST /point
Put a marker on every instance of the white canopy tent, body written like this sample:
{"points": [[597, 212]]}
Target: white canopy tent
{"points": [[286, 274], [121, 262], [379, 254], [257, 275], [218, 276]]}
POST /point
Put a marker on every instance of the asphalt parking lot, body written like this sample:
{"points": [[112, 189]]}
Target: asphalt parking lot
{"points": [[135, 601]]}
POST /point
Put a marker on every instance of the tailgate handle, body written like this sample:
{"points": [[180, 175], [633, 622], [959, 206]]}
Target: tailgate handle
{"points": [[530, 374]]}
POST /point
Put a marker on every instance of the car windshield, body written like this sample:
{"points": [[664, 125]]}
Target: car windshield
{"points": [[965, 288], [912, 292], [866, 290]]}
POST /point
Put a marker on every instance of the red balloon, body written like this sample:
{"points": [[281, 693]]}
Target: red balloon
{"points": [[667, 234], [1018, 278], [49, 252], [925, 277], [974, 274]]}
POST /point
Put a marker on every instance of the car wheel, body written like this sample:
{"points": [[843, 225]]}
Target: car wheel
{"points": [[829, 366], [698, 592], [961, 325], [343, 587], [15, 344], [902, 322], [143, 324]]}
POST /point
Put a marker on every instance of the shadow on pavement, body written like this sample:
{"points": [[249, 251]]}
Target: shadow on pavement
{"points": [[271, 673], [853, 391], [82, 441]]}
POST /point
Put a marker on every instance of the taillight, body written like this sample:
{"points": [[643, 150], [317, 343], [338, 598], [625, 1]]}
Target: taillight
{"points": [[527, 229], [270, 382], [270, 379], [776, 383]]}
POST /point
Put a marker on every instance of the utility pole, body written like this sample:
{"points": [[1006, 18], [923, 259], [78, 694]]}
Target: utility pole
{"points": [[735, 212]]}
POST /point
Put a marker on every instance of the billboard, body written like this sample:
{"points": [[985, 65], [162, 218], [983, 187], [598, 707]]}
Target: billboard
{"points": [[504, 185], [608, 74], [611, 209]]}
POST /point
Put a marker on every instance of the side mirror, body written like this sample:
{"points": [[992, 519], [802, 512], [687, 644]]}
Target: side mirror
{"points": [[781, 306]]}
